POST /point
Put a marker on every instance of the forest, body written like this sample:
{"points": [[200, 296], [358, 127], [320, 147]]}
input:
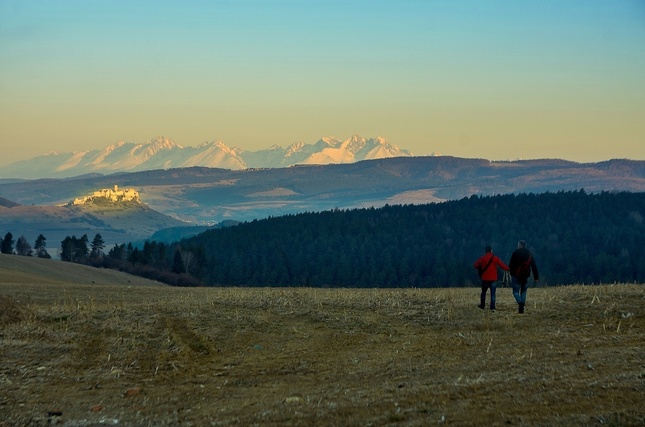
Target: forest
{"points": [[575, 237]]}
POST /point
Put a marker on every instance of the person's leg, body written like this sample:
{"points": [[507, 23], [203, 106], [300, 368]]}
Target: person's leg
{"points": [[482, 298], [493, 291], [523, 290], [516, 289]]}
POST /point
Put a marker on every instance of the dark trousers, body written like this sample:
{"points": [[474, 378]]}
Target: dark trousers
{"points": [[486, 284]]}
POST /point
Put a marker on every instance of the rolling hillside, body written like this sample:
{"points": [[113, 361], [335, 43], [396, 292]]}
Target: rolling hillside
{"points": [[207, 195], [16, 269]]}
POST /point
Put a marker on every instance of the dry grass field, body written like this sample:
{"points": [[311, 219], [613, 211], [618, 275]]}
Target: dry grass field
{"points": [[123, 351]]}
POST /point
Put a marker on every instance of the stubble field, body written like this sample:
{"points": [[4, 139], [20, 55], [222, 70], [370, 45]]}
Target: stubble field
{"points": [[131, 353]]}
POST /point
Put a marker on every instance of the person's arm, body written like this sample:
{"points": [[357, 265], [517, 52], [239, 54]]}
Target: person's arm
{"points": [[536, 275], [501, 264], [512, 265]]}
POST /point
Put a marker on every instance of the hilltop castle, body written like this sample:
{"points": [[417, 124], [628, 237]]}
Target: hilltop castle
{"points": [[115, 195]]}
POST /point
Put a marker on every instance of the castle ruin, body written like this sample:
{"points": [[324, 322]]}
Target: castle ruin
{"points": [[113, 195]]}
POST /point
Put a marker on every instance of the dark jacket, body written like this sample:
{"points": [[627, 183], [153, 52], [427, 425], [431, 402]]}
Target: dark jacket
{"points": [[518, 257]]}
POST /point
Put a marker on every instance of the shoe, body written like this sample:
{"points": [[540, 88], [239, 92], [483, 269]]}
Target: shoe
{"points": [[521, 309], [492, 310], [480, 306]]}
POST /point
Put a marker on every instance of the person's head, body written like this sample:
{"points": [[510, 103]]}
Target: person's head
{"points": [[521, 244], [488, 249]]}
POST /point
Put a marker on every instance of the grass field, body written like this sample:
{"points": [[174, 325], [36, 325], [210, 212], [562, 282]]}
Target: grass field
{"points": [[124, 351]]}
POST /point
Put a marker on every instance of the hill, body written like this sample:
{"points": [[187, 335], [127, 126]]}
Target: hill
{"points": [[79, 355], [20, 270], [575, 238], [209, 196], [7, 203], [175, 234], [117, 221]]}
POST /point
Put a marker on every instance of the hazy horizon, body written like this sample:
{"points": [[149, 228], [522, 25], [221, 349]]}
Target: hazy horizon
{"points": [[495, 80]]}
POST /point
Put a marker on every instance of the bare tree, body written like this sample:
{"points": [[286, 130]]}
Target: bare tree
{"points": [[183, 261], [188, 258], [23, 247]]}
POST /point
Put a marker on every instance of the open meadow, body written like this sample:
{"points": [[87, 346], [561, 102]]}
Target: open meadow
{"points": [[88, 347]]}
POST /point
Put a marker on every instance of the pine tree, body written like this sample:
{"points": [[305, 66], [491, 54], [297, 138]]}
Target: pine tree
{"points": [[118, 252], [73, 249], [6, 247], [39, 247], [97, 246], [81, 250], [67, 249], [178, 263]]}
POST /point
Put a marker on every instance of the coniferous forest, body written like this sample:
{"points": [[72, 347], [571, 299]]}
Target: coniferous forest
{"points": [[576, 238]]}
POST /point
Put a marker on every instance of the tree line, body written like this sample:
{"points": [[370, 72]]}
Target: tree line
{"points": [[160, 261], [72, 249], [22, 246], [576, 238], [152, 261]]}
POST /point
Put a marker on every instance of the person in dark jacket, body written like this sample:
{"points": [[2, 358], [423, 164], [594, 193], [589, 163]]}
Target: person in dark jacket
{"points": [[521, 265], [487, 265]]}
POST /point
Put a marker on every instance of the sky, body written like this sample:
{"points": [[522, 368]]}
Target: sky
{"points": [[491, 79]]}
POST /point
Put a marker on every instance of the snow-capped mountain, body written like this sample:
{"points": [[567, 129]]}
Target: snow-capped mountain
{"points": [[163, 153], [325, 151]]}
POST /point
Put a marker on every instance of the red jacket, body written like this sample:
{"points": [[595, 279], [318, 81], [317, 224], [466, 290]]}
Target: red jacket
{"points": [[490, 274]]}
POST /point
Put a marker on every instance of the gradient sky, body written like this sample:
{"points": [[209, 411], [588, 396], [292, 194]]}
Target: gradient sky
{"points": [[492, 79]]}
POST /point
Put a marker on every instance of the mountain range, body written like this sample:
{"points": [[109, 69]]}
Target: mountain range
{"points": [[163, 153]]}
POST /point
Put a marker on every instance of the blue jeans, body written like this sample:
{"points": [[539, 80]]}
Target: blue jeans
{"points": [[519, 291], [493, 287]]}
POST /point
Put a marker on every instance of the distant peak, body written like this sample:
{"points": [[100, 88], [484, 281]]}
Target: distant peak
{"points": [[163, 142], [380, 140], [331, 140], [298, 144]]}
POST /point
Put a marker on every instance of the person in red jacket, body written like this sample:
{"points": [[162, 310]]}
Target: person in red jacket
{"points": [[487, 265]]}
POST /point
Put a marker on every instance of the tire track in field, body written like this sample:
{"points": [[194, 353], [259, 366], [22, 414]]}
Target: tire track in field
{"points": [[184, 349]]}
